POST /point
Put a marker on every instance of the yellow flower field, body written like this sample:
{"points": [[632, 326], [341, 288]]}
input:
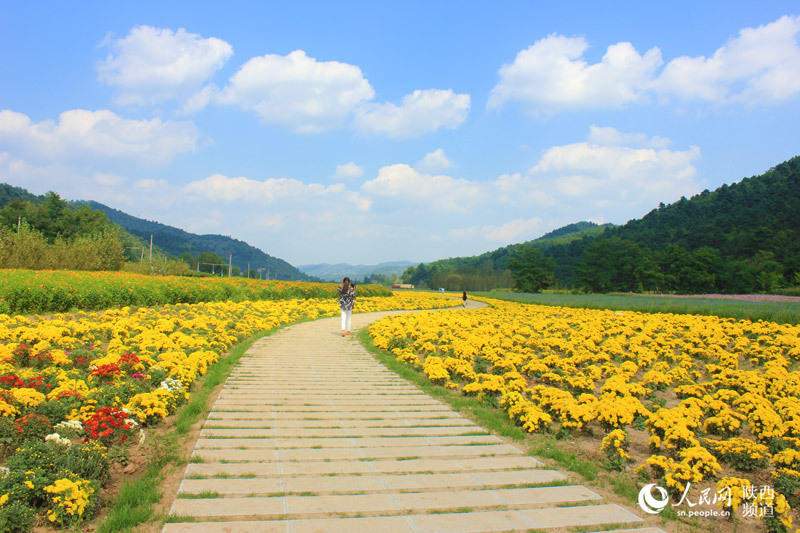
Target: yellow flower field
{"points": [[73, 386], [707, 399]]}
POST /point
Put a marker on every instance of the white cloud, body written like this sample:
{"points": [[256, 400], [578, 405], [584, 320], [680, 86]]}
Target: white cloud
{"points": [[628, 178], [222, 188], [760, 65], [608, 136], [349, 171], [552, 73], [517, 230], [435, 161], [152, 65], [613, 171], [149, 184], [298, 91], [404, 182], [80, 134], [420, 112]]}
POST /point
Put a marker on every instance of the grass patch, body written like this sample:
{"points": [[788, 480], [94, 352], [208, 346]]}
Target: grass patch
{"points": [[782, 312], [198, 495], [135, 502], [486, 416]]}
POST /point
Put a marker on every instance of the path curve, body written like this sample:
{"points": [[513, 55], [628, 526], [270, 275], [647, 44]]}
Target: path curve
{"points": [[311, 433]]}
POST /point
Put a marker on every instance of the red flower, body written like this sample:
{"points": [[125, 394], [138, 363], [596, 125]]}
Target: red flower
{"points": [[109, 425], [106, 371]]}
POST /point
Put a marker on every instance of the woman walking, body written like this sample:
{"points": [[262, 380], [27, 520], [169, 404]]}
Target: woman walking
{"points": [[464, 298], [347, 298]]}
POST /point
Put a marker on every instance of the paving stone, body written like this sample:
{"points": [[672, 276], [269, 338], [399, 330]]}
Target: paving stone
{"points": [[310, 429], [380, 502], [305, 433], [377, 482], [474, 522], [388, 466], [346, 442]]}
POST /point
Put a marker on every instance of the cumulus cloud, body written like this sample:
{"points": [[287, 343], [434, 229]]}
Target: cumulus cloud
{"points": [[404, 182], [349, 171], [552, 73], [223, 188], [612, 171], [760, 65], [102, 134], [298, 91], [629, 177], [151, 65], [420, 112], [435, 161]]}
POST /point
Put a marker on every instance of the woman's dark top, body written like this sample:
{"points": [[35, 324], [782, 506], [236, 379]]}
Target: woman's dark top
{"points": [[464, 296], [347, 298]]}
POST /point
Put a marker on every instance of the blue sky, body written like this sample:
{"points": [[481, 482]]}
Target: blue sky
{"points": [[370, 131]]}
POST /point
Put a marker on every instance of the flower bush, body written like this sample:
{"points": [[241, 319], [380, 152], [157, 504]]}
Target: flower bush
{"points": [[711, 397], [73, 385]]}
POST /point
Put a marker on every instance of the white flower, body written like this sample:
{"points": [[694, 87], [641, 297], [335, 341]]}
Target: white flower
{"points": [[58, 439]]}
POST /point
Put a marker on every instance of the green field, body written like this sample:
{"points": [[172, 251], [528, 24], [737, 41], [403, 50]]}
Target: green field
{"points": [[782, 312]]}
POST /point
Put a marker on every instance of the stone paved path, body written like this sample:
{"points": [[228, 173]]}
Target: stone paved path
{"points": [[311, 433]]}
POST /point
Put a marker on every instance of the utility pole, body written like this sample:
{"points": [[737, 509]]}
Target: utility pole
{"points": [[151, 247], [230, 264], [248, 270], [19, 224]]}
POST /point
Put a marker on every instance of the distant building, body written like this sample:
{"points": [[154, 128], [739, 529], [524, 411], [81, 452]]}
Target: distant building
{"points": [[402, 286]]}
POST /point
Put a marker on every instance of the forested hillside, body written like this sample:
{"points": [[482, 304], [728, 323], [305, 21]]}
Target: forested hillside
{"points": [[178, 243], [490, 270], [743, 237]]}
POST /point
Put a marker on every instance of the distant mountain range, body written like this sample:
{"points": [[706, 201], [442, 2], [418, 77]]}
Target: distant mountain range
{"points": [[176, 241], [335, 272]]}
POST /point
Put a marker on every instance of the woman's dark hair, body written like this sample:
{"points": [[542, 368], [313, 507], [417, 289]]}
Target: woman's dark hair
{"points": [[346, 284]]}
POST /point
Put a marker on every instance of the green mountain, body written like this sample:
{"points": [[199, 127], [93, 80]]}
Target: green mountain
{"points": [[490, 270], [335, 272], [9, 193], [742, 237], [176, 242]]}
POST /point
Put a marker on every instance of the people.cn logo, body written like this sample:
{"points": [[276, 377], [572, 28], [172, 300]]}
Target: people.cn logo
{"points": [[651, 504]]}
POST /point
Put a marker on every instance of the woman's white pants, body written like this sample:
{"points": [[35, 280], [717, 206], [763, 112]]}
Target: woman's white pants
{"points": [[346, 319]]}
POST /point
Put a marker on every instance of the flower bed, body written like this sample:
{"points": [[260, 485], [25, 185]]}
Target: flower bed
{"points": [[74, 388], [691, 399]]}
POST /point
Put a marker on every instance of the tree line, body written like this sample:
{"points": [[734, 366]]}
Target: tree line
{"points": [[740, 238]]}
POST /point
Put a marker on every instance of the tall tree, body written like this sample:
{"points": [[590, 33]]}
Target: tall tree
{"points": [[531, 269]]}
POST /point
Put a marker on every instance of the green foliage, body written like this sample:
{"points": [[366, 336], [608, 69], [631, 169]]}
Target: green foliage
{"points": [[29, 291], [55, 218], [532, 270], [490, 270], [25, 247], [616, 265], [16, 517], [178, 243]]}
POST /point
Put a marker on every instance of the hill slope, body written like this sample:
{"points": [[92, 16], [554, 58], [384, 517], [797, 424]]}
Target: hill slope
{"points": [[335, 272], [176, 241], [489, 270], [741, 237]]}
